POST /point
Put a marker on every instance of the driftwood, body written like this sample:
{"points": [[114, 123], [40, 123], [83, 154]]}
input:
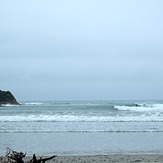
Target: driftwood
{"points": [[41, 160], [14, 157], [17, 157]]}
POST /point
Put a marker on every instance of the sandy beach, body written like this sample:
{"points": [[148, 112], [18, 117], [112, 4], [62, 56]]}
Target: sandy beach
{"points": [[117, 158]]}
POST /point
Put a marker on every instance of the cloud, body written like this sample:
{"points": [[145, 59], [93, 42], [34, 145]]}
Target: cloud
{"points": [[82, 49]]}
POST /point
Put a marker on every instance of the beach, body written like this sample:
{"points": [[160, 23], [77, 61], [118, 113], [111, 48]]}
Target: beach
{"points": [[116, 158]]}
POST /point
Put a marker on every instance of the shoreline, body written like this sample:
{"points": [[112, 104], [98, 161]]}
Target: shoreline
{"points": [[110, 158]]}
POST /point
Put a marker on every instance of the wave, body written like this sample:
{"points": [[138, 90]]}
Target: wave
{"points": [[141, 108], [9, 105], [100, 105], [32, 104], [77, 131], [73, 118], [103, 105]]}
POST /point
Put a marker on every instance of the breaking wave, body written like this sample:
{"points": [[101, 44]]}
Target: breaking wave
{"points": [[141, 108], [73, 118], [32, 104]]}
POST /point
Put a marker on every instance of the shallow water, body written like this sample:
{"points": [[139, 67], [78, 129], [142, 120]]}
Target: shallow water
{"points": [[82, 143]]}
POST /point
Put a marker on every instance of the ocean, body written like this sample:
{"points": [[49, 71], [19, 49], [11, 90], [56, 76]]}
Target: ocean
{"points": [[82, 127]]}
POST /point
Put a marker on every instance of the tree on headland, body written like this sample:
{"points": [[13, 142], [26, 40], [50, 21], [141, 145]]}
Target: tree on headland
{"points": [[6, 97]]}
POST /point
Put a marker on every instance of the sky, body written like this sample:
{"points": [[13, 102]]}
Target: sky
{"points": [[82, 49]]}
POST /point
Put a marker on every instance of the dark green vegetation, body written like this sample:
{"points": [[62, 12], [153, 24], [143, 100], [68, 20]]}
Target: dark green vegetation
{"points": [[6, 97]]}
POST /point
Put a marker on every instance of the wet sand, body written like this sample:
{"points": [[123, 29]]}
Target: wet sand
{"points": [[144, 158]]}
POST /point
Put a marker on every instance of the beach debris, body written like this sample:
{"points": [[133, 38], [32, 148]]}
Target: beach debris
{"points": [[17, 157], [41, 160], [14, 157]]}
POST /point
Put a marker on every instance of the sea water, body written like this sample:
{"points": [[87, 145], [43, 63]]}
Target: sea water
{"points": [[82, 127]]}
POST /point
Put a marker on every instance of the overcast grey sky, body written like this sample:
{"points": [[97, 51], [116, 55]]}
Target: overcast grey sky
{"points": [[82, 49]]}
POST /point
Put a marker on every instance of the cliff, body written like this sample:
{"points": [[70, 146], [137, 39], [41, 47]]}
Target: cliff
{"points": [[6, 97]]}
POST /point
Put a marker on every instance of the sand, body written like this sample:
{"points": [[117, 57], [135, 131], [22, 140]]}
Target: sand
{"points": [[144, 158]]}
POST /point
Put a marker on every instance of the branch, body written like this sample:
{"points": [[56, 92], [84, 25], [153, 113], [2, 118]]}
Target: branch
{"points": [[34, 159], [16, 156]]}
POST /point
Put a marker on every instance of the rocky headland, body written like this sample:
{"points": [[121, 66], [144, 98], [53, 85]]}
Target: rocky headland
{"points": [[6, 97]]}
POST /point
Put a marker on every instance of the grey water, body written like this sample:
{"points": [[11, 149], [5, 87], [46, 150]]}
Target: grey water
{"points": [[82, 127]]}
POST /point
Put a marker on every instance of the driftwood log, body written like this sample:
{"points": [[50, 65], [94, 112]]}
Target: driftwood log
{"points": [[17, 157], [41, 160]]}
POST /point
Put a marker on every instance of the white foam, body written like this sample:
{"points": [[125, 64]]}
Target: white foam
{"points": [[141, 108], [9, 105], [73, 118], [32, 103]]}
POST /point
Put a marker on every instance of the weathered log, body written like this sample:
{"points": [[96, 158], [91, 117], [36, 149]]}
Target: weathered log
{"points": [[17, 157], [34, 159], [14, 157]]}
